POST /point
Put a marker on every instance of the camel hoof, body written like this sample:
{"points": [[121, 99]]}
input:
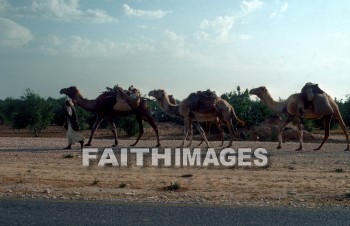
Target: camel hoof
{"points": [[279, 147], [299, 149], [87, 145], [158, 145], [316, 149]]}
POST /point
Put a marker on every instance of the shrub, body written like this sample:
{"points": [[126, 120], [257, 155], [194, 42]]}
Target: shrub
{"points": [[173, 187], [32, 112]]}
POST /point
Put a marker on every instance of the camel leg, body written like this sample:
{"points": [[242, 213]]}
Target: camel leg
{"points": [[206, 131], [300, 133], [327, 125], [221, 132], [190, 131], [185, 132], [141, 131], [201, 131], [285, 123], [98, 120], [232, 131], [150, 121], [114, 131], [345, 130]]}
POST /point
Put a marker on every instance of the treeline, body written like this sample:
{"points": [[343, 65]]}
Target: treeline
{"points": [[33, 112]]}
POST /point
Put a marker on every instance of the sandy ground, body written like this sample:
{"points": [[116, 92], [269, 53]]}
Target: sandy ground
{"points": [[39, 168]]}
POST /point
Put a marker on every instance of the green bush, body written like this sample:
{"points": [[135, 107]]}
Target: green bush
{"points": [[252, 112], [31, 112], [128, 124]]}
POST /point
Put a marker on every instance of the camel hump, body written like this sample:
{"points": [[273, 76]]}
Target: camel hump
{"points": [[312, 86], [308, 93], [132, 96], [310, 89], [316, 99], [203, 101]]}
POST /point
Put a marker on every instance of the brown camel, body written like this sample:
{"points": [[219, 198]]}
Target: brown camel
{"points": [[292, 107], [207, 124], [225, 112], [107, 107]]}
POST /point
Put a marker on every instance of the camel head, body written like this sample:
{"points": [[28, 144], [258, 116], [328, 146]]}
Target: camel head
{"points": [[260, 91], [158, 94], [172, 99], [72, 92]]}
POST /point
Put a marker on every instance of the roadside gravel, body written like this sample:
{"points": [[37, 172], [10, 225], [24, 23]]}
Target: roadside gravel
{"points": [[39, 168]]}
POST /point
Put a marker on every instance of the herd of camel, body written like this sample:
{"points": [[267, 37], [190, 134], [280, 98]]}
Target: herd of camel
{"points": [[105, 106]]}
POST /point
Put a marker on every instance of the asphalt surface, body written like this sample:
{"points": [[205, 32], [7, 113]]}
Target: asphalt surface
{"points": [[45, 212]]}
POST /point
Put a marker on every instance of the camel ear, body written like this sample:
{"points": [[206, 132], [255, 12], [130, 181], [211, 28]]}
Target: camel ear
{"points": [[264, 88]]}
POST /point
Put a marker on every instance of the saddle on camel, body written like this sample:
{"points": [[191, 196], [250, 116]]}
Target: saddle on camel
{"points": [[127, 100], [313, 97], [203, 101]]}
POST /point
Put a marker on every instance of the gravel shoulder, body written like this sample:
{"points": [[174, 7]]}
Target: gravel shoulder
{"points": [[39, 168]]}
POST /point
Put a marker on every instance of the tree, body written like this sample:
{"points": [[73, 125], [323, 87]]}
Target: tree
{"points": [[7, 110], [344, 107], [160, 115], [32, 112], [252, 112]]}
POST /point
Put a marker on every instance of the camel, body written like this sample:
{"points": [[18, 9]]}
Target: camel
{"points": [[207, 124], [107, 106], [225, 113], [292, 106]]}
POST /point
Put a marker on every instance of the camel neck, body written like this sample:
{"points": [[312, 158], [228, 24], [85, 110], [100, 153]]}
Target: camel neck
{"points": [[170, 108], [86, 104], [271, 103]]}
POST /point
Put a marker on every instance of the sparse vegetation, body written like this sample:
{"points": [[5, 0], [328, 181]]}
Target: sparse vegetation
{"points": [[173, 187], [339, 170], [68, 156], [122, 185], [95, 182]]}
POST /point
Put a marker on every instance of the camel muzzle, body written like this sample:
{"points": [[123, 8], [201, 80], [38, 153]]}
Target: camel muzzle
{"points": [[251, 91], [151, 94], [63, 91]]}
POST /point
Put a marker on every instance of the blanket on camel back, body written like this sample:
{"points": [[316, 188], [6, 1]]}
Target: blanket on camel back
{"points": [[126, 100], [315, 99], [203, 101]]}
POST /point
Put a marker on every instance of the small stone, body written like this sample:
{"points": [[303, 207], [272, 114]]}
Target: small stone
{"points": [[129, 193]]}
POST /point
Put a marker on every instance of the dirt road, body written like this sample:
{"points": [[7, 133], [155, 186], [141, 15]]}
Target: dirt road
{"points": [[39, 168]]}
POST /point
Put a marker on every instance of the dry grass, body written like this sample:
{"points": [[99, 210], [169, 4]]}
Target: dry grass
{"points": [[30, 166]]}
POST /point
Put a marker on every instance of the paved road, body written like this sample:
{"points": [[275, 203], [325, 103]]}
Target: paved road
{"points": [[42, 212]]}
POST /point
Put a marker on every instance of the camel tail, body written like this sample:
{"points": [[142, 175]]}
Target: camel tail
{"points": [[240, 121]]}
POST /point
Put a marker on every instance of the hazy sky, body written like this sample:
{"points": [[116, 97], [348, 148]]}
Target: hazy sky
{"points": [[178, 45]]}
